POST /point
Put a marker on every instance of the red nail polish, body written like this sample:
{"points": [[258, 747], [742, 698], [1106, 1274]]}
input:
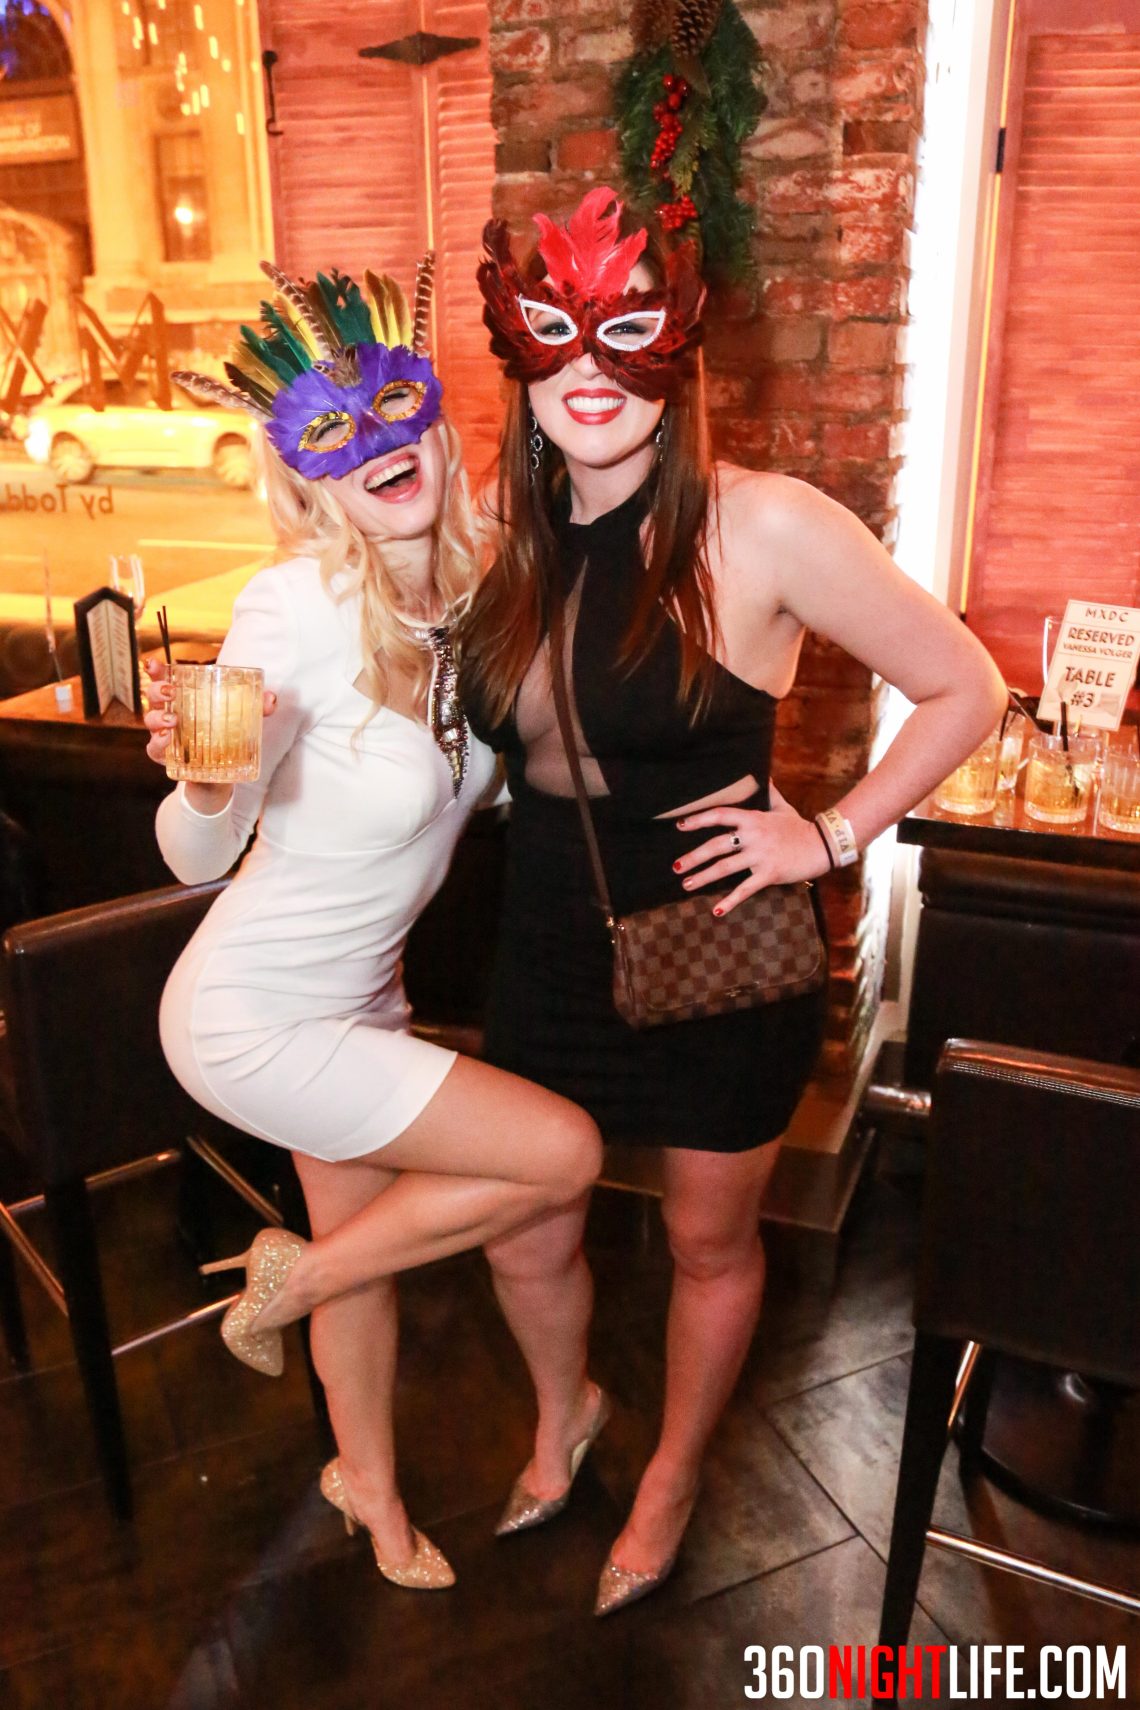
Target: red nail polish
{"points": [[676, 866], [718, 911]]}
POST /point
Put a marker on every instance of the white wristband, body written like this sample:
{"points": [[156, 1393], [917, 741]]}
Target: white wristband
{"points": [[839, 836]]}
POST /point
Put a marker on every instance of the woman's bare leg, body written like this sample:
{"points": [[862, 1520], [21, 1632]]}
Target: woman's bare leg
{"points": [[354, 1349], [712, 1214], [489, 1152], [543, 1284]]}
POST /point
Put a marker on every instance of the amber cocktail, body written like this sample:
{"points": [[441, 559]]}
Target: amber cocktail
{"points": [[217, 736], [1120, 792], [1059, 779], [972, 787]]}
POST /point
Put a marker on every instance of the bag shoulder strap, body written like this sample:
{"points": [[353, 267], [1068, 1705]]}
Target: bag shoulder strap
{"points": [[566, 731]]}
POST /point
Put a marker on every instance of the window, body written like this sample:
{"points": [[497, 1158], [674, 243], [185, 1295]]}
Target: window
{"points": [[182, 197], [1057, 511], [32, 48]]}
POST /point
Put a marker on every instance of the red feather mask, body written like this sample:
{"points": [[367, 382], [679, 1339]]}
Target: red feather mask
{"points": [[645, 340]]}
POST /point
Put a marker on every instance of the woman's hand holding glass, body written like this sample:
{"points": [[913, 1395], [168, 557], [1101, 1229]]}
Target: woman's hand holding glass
{"points": [[160, 722], [779, 847]]}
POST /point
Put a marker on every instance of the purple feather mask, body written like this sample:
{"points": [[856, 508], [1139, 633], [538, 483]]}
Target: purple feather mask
{"points": [[336, 417], [338, 376]]}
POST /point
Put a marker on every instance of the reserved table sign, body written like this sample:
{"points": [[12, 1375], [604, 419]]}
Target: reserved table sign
{"points": [[1094, 663]]}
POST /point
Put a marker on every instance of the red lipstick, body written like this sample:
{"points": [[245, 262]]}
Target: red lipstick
{"points": [[593, 407]]}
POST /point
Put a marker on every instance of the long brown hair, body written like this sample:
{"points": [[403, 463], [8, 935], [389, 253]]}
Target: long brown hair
{"points": [[508, 618]]}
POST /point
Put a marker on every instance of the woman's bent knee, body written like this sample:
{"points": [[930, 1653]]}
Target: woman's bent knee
{"points": [[573, 1147]]}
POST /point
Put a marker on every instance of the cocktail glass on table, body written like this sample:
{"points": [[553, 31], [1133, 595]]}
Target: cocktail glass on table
{"points": [[1059, 778], [972, 787], [1012, 733], [1120, 791]]}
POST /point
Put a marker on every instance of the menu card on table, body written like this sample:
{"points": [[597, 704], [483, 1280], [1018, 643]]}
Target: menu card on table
{"points": [[1094, 663], [108, 651]]}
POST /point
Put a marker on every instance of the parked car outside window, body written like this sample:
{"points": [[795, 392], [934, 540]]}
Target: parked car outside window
{"points": [[131, 432]]}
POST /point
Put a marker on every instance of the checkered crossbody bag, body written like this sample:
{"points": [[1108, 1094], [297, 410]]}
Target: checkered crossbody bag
{"points": [[679, 961]]}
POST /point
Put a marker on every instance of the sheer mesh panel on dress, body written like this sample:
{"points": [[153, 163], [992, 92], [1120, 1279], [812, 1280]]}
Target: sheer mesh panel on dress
{"points": [[537, 721]]}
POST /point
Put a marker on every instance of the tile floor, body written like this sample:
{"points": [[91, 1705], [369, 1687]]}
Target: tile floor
{"points": [[235, 1587]]}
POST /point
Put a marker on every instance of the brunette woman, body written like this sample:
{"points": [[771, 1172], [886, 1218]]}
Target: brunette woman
{"points": [[687, 589]]}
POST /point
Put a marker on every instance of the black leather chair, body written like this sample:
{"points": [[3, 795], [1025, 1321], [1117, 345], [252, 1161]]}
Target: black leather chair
{"points": [[1034, 953], [1029, 1248], [86, 1098]]}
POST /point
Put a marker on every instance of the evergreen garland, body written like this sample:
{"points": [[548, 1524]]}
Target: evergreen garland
{"points": [[682, 122]]}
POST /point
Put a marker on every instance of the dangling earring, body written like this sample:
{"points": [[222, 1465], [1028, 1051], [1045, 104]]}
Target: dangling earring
{"points": [[659, 436], [537, 446]]}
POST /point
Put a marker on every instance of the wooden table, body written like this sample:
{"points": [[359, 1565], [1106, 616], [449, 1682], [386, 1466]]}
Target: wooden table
{"points": [[85, 794], [1008, 830]]}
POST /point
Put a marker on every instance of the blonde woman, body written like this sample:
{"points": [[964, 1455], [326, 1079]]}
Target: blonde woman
{"points": [[286, 1014]]}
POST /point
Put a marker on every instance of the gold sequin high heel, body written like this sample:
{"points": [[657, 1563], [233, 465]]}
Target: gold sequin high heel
{"points": [[428, 1570], [524, 1509], [267, 1266]]}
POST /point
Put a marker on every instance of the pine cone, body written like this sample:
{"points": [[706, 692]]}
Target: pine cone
{"points": [[652, 21], [693, 24]]}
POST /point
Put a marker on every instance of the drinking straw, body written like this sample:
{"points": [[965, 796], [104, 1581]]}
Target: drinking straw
{"points": [[164, 631], [1065, 726], [1037, 723]]}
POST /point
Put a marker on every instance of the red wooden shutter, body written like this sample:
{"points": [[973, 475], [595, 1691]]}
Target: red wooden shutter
{"points": [[349, 182], [379, 160], [1058, 501]]}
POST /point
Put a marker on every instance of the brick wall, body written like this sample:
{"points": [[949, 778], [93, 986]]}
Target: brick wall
{"points": [[803, 375]]}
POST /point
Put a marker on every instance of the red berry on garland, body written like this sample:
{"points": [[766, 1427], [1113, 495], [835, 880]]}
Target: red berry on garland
{"points": [[669, 81], [674, 101]]}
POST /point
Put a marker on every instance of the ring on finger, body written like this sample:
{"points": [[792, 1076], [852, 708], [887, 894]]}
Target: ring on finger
{"points": [[734, 840]]}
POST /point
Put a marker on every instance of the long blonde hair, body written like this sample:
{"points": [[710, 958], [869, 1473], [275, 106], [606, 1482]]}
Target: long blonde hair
{"points": [[309, 520]]}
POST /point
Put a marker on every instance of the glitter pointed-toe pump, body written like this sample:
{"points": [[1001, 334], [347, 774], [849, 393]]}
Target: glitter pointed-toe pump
{"points": [[524, 1509], [428, 1570], [618, 1587], [268, 1263]]}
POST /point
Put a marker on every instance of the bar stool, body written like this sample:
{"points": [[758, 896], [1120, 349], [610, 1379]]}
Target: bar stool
{"points": [[85, 1094], [1028, 1248]]}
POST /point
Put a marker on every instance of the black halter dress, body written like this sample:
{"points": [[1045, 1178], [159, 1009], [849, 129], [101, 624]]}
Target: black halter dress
{"points": [[721, 1084]]}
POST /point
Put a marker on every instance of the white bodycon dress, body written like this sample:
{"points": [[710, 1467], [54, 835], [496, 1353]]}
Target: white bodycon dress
{"points": [[285, 1014]]}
